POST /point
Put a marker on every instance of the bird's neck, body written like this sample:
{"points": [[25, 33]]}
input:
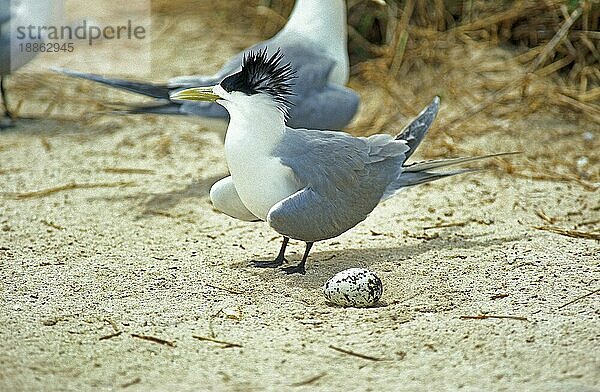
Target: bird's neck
{"points": [[324, 23], [255, 129], [323, 15]]}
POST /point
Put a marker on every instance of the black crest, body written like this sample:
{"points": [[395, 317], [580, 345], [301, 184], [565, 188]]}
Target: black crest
{"points": [[263, 74]]}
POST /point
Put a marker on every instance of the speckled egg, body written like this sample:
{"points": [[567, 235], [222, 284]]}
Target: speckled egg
{"points": [[356, 287]]}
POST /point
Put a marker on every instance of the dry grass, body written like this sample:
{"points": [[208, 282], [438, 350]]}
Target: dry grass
{"points": [[554, 54], [495, 65]]}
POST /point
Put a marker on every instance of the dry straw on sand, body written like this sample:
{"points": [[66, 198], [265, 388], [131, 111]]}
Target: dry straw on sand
{"points": [[555, 46], [108, 232], [493, 63]]}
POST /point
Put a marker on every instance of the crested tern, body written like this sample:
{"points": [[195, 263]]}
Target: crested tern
{"points": [[308, 185], [314, 41]]}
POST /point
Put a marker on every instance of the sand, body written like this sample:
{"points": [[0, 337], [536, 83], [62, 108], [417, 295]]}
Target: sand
{"points": [[115, 275]]}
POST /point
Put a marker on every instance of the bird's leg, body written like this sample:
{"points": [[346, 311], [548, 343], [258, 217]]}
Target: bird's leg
{"points": [[6, 119], [300, 268], [278, 260]]}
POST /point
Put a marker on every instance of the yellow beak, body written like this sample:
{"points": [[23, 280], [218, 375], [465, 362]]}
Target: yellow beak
{"points": [[196, 94]]}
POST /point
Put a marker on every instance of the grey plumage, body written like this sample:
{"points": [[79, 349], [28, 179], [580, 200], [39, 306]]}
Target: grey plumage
{"points": [[317, 102], [306, 184], [414, 132], [438, 163], [148, 89], [5, 58], [24, 12], [343, 178], [28, 12], [4, 11]]}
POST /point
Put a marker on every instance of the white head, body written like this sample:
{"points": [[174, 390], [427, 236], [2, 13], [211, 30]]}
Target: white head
{"points": [[263, 85], [259, 92]]}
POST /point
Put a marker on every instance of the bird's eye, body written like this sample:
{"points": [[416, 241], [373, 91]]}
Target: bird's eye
{"points": [[236, 82]]}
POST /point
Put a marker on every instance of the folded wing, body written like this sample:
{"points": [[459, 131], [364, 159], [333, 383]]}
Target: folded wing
{"points": [[343, 179]]}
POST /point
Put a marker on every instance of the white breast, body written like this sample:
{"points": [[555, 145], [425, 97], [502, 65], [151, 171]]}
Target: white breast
{"points": [[255, 128], [262, 183]]}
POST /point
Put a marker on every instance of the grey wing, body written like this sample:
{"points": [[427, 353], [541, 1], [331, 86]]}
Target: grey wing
{"points": [[317, 103], [164, 91], [4, 55], [414, 132], [4, 12], [11, 60], [343, 180]]}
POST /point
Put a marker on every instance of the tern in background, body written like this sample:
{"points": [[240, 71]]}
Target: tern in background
{"points": [[306, 184], [314, 41], [15, 13]]}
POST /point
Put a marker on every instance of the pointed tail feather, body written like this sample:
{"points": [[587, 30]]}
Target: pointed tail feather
{"points": [[409, 179], [148, 89], [418, 172], [162, 92], [169, 108], [194, 109], [414, 132], [439, 163], [416, 178]]}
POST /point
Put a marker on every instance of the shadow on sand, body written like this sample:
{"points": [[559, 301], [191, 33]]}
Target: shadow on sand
{"points": [[198, 189], [323, 265]]}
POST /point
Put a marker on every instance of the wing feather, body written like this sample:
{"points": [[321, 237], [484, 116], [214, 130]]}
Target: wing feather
{"points": [[343, 180]]}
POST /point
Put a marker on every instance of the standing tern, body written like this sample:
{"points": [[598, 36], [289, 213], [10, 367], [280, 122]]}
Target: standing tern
{"points": [[314, 41], [14, 52], [308, 185]]}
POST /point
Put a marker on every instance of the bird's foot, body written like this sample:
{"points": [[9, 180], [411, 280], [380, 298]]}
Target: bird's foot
{"points": [[297, 269], [278, 262]]}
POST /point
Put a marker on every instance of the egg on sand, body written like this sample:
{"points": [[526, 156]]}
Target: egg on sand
{"points": [[357, 287]]}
